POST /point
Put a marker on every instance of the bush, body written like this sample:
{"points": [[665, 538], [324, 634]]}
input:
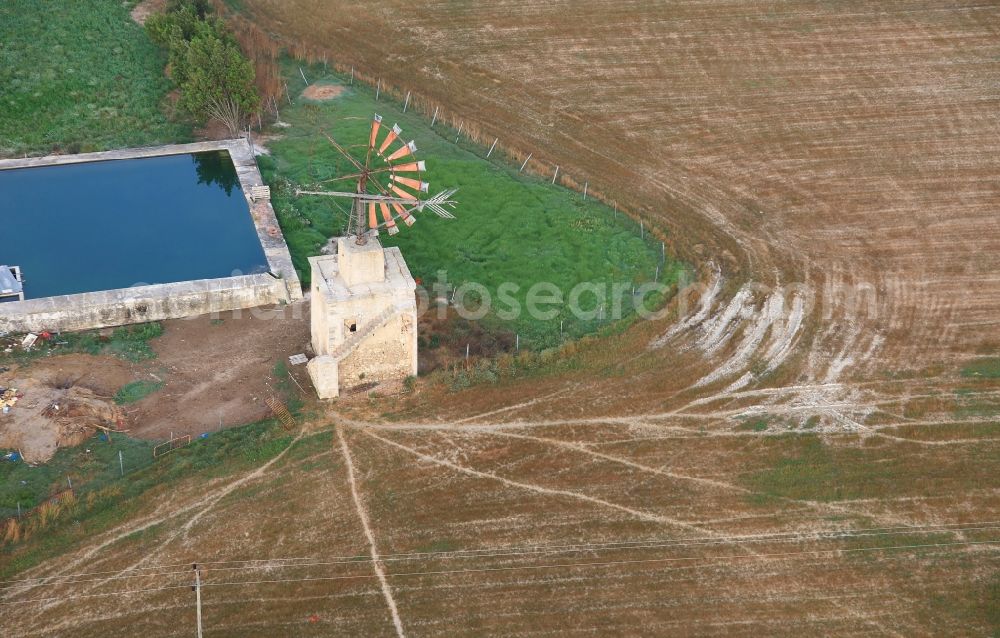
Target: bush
{"points": [[215, 78]]}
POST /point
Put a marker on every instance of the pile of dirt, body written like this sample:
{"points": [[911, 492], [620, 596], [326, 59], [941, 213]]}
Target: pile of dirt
{"points": [[322, 92], [48, 417]]}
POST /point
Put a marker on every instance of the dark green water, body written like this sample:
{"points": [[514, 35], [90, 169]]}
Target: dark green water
{"points": [[106, 225]]}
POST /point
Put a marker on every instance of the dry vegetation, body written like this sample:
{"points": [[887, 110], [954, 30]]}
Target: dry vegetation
{"points": [[787, 457]]}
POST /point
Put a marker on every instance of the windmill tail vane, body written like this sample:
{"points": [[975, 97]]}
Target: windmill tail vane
{"points": [[389, 184]]}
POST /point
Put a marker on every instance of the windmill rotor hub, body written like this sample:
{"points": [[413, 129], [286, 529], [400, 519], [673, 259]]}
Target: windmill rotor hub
{"points": [[389, 185]]}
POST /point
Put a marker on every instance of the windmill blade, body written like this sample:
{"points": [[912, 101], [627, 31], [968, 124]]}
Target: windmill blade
{"points": [[372, 218], [389, 139], [415, 184], [404, 194], [409, 149], [404, 214], [413, 167], [376, 122], [389, 224]]}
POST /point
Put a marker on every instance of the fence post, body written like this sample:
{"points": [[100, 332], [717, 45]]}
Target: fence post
{"points": [[555, 175], [526, 160], [121, 462], [406, 104], [492, 146], [435, 118], [378, 88]]}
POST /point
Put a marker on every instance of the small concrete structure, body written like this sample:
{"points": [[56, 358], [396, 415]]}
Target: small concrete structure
{"points": [[364, 317], [172, 300], [10, 283]]}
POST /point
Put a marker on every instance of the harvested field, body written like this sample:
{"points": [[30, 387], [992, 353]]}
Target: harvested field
{"points": [[810, 443]]}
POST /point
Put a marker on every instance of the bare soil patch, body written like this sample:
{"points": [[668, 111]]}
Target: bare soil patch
{"points": [[146, 8], [62, 403], [322, 92], [216, 373]]}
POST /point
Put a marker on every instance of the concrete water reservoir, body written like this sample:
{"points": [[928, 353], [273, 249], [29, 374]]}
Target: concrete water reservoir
{"points": [[127, 236]]}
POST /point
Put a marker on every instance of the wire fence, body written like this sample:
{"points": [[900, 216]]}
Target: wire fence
{"points": [[532, 163]]}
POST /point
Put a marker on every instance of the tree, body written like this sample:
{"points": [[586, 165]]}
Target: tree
{"points": [[216, 80], [166, 29]]}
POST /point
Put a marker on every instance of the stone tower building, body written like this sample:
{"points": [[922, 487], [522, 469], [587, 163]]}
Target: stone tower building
{"points": [[364, 317]]}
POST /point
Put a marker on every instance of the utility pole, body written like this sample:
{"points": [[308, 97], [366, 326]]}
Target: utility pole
{"points": [[197, 593]]}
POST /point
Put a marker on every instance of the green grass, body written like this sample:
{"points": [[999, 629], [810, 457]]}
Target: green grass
{"points": [[983, 369], [129, 343], [93, 469], [510, 227], [79, 75], [105, 498], [991, 604], [136, 391], [809, 469], [753, 425]]}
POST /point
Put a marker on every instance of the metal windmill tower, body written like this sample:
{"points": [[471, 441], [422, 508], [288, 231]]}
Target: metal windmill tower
{"points": [[388, 182]]}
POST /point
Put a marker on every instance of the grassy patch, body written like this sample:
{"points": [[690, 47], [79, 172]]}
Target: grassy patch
{"points": [[105, 498], [814, 471], [129, 343], [79, 76], [510, 227], [983, 369], [758, 424], [136, 391], [91, 465], [991, 604], [438, 546]]}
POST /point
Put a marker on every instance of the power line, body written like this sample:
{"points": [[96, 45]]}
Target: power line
{"points": [[510, 568], [824, 535]]}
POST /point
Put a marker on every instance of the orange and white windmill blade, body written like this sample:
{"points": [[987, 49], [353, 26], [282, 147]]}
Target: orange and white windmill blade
{"points": [[376, 122], [389, 139], [415, 184], [413, 167], [407, 218], [407, 149], [390, 225]]}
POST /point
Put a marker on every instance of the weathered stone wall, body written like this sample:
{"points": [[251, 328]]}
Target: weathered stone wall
{"points": [[141, 304], [386, 355]]}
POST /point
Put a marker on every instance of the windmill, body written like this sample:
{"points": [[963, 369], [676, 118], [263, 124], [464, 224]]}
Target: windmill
{"points": [[388, 185]]}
